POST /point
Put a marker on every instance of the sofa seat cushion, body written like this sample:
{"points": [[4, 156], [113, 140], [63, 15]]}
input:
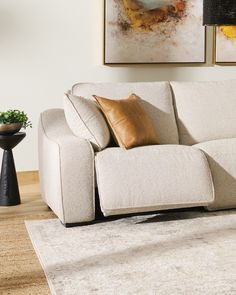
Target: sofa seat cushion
{"points": [[221, 155], [152, 178]]}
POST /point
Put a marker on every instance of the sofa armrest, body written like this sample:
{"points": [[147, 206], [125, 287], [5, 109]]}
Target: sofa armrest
{"points": [[66, 169]]}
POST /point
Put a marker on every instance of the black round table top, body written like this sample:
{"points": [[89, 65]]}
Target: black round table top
{"points": [[9, 141]]}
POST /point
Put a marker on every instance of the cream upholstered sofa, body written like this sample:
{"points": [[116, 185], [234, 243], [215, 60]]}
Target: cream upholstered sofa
{"points": [[195, 165]]}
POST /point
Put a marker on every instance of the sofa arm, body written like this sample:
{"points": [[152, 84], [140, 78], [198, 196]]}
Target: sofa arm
{"points": [[66, 169]]}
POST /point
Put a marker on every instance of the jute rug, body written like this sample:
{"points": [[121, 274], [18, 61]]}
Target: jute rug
{"points": [[175, 253]]}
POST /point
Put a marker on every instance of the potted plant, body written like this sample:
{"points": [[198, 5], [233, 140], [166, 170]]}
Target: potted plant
{"points": [[12, 121]]}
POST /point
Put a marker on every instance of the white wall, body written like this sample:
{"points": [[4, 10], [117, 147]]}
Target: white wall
{"points": [[47, 45]]}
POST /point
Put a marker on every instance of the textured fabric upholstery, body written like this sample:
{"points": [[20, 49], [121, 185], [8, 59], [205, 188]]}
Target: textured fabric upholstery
{"points": [[152, 178], [86, 120], [156, 100], [205, 110], [66, 165], [221, 155]]}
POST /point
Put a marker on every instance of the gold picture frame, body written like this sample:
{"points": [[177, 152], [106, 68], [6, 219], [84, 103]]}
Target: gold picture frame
{"points": [[126, 50], [224, 48]]}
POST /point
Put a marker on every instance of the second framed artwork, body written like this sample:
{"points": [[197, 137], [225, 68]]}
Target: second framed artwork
{"points": [[225, 45], [154, 31]]}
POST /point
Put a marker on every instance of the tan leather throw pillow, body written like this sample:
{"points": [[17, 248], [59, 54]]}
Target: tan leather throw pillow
{"points": [[129, 122]]}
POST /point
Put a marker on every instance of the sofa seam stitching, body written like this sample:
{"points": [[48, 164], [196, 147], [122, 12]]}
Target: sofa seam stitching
{"points": [[161, 204], [59, 149]]}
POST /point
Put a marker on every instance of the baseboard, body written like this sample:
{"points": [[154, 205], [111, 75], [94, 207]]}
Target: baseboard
{"points": [[27, 177]]}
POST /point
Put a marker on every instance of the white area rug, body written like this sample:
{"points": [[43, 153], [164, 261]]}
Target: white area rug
{"points": [[165, 254]]}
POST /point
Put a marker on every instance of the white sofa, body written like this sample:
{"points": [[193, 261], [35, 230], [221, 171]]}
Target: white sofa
{"points": [[195, 164]]}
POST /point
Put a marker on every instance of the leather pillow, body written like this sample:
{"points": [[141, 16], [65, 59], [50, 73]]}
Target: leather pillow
{"points": [[86, 120], [129, 122]]}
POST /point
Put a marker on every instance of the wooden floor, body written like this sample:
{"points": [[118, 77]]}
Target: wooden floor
{"points": [[20, 270]]}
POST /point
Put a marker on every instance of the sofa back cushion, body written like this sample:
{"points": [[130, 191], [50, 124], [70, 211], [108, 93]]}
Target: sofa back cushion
{"points": [[156, 101], [86, 120], [205, 110]]}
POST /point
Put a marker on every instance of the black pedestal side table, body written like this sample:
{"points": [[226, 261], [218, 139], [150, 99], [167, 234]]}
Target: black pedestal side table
{"points": [[9, 190]]}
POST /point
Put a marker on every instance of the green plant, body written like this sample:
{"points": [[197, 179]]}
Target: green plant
{"points": [[15, 116]]}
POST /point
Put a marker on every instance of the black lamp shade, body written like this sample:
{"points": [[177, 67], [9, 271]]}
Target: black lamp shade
{"points": [[219, 12]]}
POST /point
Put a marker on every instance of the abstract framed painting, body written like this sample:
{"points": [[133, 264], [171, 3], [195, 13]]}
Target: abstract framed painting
{"points": [[154, 31], [225, 45]]}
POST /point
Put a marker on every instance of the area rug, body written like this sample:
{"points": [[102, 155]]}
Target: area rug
{"points": [[173, 253]]}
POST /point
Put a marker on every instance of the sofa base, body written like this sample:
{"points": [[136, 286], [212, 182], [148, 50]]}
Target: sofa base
{"points": [[159, 208], [116, 217], [68, 225]]}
